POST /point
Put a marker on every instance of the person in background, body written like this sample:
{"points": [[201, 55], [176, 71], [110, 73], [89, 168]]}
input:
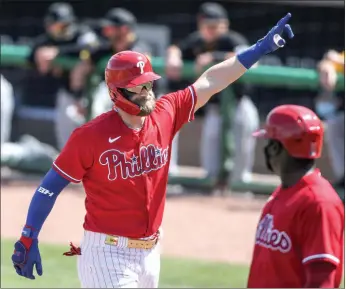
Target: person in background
{"points": [[333, 63], [63, 37], [118, 34], [214, 41], [7, 108]]}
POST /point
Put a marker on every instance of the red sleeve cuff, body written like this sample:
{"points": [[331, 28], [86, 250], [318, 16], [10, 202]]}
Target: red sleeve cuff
{"points": [[64, 174], [321, 257]]}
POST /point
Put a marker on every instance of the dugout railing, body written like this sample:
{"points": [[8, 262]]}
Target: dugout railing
{"points": [[267, 76]]}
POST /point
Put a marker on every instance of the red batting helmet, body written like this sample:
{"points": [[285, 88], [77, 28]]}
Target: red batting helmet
{"points": [[297, 128], [124, 70]]}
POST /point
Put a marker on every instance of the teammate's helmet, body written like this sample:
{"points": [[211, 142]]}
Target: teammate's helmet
{"points": [[59, 12], [127, 69], [297, 128]]}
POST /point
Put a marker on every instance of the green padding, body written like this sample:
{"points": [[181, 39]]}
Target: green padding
{"points": [[254, 187], [202, 183], [294, 78]]}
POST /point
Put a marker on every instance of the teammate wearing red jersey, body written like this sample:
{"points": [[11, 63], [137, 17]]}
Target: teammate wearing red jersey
{"points": [[299, 239], [122, 159]]}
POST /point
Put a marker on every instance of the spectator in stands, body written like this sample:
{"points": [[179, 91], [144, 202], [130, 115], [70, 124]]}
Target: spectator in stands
{"points": [[118, 27], [63, 37], [214, 42], [7, 107], [332, 63]]}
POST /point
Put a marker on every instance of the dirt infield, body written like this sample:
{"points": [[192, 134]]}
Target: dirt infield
{"points": [[211, 228]]}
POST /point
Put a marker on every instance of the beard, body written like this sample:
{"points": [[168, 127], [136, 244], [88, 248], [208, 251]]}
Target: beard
{"points": [[146, 104]]}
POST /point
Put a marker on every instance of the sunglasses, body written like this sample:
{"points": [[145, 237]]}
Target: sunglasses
{"points": [[137, 89]]}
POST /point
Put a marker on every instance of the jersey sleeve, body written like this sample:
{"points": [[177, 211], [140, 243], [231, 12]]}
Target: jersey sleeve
{"points": [[181, 105], [321, 233], [75, 158]]}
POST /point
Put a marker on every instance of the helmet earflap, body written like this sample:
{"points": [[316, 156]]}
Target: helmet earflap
{"points": [[121, 102]]}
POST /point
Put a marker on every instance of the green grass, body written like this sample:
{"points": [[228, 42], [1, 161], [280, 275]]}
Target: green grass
{"points": [[60, 271]]}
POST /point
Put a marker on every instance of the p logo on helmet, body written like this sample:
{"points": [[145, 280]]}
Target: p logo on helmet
{"points": [[141, 64]]}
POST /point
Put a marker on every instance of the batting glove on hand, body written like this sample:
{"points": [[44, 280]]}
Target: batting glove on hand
{"points": [[273, 40], [26, 255], [269, 43]]}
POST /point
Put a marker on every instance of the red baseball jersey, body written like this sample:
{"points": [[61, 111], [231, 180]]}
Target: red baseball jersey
{"points": [[125, 171], [298, 225]]}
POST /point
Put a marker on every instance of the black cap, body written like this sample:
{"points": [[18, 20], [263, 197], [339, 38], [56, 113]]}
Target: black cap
{"points": [[212, 11], [59, 12], [119, 17]]}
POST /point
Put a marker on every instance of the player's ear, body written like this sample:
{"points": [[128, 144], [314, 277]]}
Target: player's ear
{"points": [[276, 148]]}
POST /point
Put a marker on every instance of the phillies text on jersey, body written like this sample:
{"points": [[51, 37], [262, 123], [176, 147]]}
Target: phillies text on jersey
{"points": [[125, 171], [149, 158], [269, 237], [298, 225]]}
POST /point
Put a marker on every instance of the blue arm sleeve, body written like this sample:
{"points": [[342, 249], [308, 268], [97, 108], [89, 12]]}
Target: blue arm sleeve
{"points": [[44, 199]]}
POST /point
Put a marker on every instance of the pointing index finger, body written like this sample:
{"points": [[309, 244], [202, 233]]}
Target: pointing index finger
{"points": [[284, 20]]}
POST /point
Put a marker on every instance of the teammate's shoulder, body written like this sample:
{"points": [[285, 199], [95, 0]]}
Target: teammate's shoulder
{"points": [[321, 191]]}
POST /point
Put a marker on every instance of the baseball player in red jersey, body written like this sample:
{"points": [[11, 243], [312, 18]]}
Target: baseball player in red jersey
{"points": [[299, 238], [122, 159]]}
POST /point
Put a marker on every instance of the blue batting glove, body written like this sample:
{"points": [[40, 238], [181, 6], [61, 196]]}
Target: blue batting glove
{"points": [[269, 43], [26, 255], [273, 40]]}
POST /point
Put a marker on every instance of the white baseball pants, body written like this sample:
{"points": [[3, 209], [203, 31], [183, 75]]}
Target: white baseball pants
{"points": [[115, 266]]}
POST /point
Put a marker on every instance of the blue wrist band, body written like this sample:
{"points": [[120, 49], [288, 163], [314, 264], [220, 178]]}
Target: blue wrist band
{"points": [[29, 233], [249, 56]]}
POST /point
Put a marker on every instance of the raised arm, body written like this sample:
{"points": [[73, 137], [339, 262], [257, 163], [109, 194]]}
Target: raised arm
{"points": [[219, 76]]}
